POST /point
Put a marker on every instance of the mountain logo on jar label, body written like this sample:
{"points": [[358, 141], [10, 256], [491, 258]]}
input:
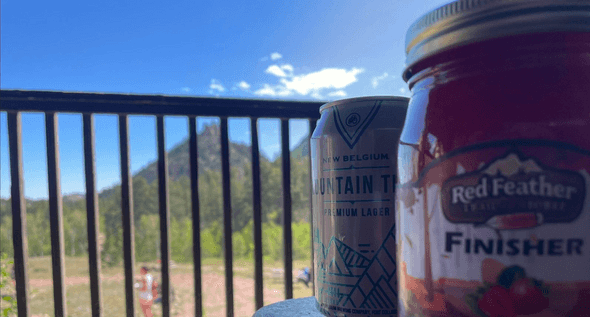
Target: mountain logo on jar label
{"points": [[513, 192], [351, 126]]}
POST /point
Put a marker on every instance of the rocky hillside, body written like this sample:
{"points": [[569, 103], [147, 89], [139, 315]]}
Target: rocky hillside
{"points": [[301, 150], [209, 153]]}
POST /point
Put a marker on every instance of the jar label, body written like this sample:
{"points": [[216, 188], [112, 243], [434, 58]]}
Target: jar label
{"points": [[497, 227]]}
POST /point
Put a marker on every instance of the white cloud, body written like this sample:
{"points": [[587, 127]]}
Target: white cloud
{"points": [[243, 85], [267, 90], [402, 90], [280, 71], [216, 86], [275, 70], [337, 93], [335, 78], [273, 91], [330, 83], [185, 89], [274, 56], [316, 95], [375, 81], [312, 84]]}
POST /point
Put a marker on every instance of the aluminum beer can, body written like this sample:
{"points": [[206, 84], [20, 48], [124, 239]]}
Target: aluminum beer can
{"points": [[353, 164]]}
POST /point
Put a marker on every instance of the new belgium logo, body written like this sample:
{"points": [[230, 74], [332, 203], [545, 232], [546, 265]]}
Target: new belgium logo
{"points": [[513, 192]]}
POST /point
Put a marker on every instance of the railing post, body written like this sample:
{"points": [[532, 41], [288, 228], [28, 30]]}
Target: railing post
{"points": [[92, 216], [55, 214], [287, 230], [194, 168], [257, 216], [227, 214], [127, 215], [312, 125], [19, 214], [164, 216]]}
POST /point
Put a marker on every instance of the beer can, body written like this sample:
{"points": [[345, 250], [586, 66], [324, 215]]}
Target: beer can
{"points": [[353, 162]]}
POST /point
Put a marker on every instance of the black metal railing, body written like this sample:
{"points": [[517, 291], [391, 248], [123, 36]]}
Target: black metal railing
{"points": [[15, 102]]}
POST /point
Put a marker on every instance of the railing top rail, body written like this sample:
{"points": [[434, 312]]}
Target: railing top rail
{"points": [[53, 101]]}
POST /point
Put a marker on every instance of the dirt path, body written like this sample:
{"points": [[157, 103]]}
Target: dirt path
{"points": [[76, 280], [213, 292]]}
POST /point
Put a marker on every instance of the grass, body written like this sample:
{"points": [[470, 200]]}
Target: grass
{"points": [[78, 291]]}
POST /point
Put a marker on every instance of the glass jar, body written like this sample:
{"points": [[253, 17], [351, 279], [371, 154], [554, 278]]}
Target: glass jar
{"points": [[493, 199]]}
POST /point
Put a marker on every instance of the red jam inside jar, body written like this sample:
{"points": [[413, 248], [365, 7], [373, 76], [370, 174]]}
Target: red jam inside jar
{"points": [[493, 199]]}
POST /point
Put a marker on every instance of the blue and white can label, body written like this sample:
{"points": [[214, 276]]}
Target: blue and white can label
{"points": [[354, 153]]}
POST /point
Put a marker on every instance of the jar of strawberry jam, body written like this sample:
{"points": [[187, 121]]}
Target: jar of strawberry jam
{"points": [[493, 198]]}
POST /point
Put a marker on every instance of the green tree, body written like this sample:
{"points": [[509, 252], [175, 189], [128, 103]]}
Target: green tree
{"points": [[147, 238], [241, 197], [7, 300], [210, 196], [211, 240], [300, 189], [272, 241], [243, 242], [180, 198], [181, 240], [145, 198], [38, 233], [301, 240], [6, 246], [111, 228], [75, 232], [271, 191]]}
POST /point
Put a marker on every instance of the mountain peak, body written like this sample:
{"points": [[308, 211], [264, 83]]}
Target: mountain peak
{"points": [[211, 131]]}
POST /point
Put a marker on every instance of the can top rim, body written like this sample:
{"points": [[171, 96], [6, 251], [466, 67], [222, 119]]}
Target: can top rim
{"points": [[367, 98]]}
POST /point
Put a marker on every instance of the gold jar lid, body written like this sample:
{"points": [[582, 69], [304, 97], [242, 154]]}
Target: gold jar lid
{"points": [[468, 21]]}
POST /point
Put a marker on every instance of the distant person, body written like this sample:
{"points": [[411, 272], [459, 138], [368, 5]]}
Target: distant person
{"points": [[304, 276], [147, 287]]}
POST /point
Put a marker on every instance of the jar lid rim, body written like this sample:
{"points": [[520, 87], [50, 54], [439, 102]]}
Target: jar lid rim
{"points": [[463, 22]]}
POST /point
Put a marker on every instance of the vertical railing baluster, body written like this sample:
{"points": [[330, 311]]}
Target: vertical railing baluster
{"points": [[312, 125], [227, 214], [92, 215], [194, 168], [19, 214], [55, 214], [164, 215], [257, 215], [127, 215], [287, 230]]}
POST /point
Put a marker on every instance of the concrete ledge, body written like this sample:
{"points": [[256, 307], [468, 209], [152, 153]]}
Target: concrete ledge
{"points": [[290, 308]]}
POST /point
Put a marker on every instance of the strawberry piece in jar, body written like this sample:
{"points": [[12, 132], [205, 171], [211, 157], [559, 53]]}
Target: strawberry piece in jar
{"points": [[517, 221], [497, 303]]}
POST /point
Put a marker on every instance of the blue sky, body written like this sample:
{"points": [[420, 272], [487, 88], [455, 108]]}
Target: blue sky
{"points": [[305, 50]]}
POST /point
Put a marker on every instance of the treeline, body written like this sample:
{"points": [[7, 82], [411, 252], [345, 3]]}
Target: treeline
{"points": [[146, 217]]}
